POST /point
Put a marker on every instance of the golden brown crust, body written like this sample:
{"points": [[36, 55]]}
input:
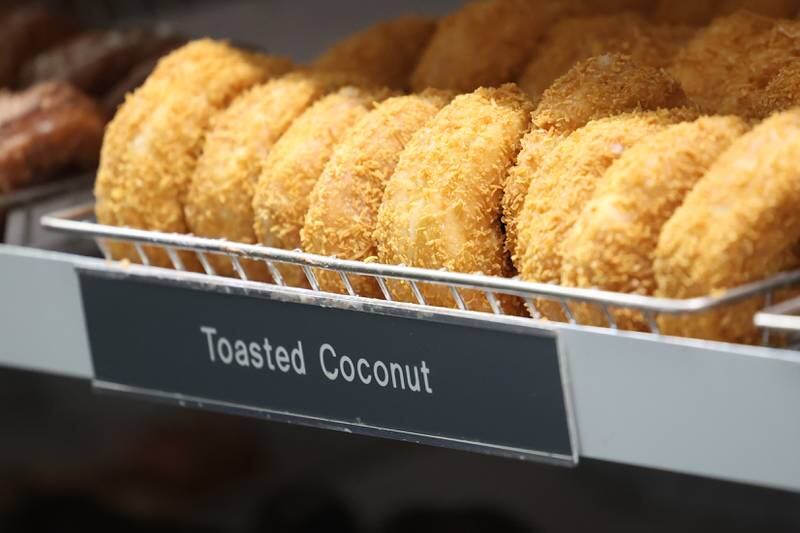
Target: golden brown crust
{"points": [[536, 144], [341, 219], [603, 86], [46, 129], [441, 208], [151, 147], [739, 224], [220, 199], [782, 93], [483, 44], [573, 40], [596, 88], [724, 68], [566, 181], [610, 247], [384, 54], [295, 163]]}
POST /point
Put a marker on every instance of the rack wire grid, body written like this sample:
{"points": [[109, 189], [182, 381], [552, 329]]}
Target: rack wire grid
{"points": [[80, 221]]}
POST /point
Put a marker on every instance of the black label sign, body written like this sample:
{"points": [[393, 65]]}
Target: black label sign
{"points": [[431, 380]]}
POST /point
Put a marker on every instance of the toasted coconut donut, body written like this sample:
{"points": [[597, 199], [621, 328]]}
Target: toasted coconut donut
{"points": [[573, 40], [295, 163], [603, 86], [740, 224], [151, 147], [384, 54], [611, 245], [344, 206], [485, 43], [536, 145], [220, 201], [725, 68], [566, 181], [783, 92], [596, 88], [441, 208]]}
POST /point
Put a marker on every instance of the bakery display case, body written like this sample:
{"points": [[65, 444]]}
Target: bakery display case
{"points": [[541, 241]]}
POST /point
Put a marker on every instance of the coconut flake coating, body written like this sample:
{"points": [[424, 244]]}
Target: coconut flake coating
{"points": [[740, 223], [343, 212], [725, 68], [219, 204], [611, 245], [596, 88], [573, 40], [484, 44], [383, 54], [441, 208], [152, 145], [295, 163], [566, 181]]}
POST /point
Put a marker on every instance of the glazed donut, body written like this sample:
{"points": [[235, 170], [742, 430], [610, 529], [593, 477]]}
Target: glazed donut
{"points": [[725, 67], [295, 163], [220, 199], [46, 129], [151, 147], [24, 32], [344, 205], [383, 54], [441, 208], [611, 245], [573, 40], [596, 88], [566, 181], [740, 224], [483, 44]]}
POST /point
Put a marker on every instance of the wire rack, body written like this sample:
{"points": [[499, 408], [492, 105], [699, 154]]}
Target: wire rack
{"points": [[80, 221]]}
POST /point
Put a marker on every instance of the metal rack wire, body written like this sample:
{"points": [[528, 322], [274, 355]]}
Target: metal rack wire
{"points": [[79, 221]]}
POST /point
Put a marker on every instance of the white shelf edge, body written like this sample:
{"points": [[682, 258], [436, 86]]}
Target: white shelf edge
{"points": [[707, 409]]}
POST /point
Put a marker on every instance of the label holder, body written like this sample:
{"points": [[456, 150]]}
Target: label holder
{"points": [[145, 276]]}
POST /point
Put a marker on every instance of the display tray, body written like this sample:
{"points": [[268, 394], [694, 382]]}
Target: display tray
{"points": [[80, 221], [515, 386]]}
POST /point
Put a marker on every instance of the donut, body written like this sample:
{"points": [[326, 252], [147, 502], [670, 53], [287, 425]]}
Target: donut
{"points": [[572, 40], [739, 224], [48, 128], [151, 147], [441, 208], [483, 44], [782, 93], [344, 204], [295, 163], [220, 199], [566, 181], [726, 66], [611, 245], [383, 54], [598, 87]]}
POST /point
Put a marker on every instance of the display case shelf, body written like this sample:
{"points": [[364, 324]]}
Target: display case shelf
{"points": [[704, 408]]}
